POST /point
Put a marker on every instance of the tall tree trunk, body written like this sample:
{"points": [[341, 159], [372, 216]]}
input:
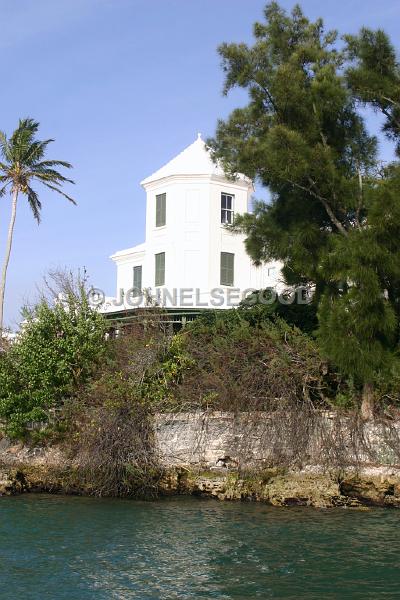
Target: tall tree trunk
{"points": [[367, 402], [7, 255]]}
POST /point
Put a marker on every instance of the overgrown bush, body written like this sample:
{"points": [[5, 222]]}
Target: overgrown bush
{"points": [[227, 360], [110, 431], [111, 438], [232, 364]]}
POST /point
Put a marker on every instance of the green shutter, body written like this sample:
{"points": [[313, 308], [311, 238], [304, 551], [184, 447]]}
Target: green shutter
{"points": [[160, 269], [161, 202], [137, 280], [227, 268]]}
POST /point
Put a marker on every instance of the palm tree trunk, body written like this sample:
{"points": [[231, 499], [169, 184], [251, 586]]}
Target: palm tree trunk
{"points": [[367, 401], [7, 255]]}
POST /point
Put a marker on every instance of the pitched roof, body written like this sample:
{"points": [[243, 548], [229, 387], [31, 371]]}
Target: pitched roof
{"points": [[193, 160]]}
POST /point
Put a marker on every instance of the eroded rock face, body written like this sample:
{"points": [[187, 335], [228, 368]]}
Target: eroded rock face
{"points": [[12, 482], [287, 489], [274, 487], [384, 491]]}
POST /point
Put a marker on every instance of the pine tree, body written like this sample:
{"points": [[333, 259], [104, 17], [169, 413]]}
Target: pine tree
{"points": [[332, 205], [374, 77]]}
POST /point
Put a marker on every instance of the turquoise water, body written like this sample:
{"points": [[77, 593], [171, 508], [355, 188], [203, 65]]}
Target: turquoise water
{"points": [[54, 547]]}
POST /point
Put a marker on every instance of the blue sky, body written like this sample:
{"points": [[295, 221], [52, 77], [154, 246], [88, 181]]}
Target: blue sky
{"points": [[123, 86]]}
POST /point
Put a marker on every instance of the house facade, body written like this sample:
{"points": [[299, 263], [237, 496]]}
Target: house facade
{"points": [[189, 258]]}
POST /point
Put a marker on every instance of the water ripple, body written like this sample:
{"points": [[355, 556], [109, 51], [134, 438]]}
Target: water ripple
{"points": [[55, 547]]}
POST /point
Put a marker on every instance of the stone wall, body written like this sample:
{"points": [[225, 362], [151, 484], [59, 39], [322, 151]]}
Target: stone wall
{"points": [[251, 440]]}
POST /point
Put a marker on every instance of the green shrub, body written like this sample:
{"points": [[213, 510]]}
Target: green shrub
{"points": [[57, 351]]}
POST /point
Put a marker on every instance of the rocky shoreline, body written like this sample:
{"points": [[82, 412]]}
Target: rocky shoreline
{"points": [[314, 487], [190, 463]]}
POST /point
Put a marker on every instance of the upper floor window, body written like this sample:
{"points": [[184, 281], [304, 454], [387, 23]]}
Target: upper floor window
{"points": [[227, 208], [137, 280], [227, 268], [160, 269], [161, 200]]}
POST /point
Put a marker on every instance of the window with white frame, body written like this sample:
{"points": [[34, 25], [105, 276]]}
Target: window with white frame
{"points": [[227, 211]]}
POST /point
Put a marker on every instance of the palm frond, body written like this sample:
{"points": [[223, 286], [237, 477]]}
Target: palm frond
{"points": [[54, 163], [27, 126], [56, 189], [49, 175], [22, 138], [5, 147], [3, 189], [34, 203], [36, 151], [29, 123]]}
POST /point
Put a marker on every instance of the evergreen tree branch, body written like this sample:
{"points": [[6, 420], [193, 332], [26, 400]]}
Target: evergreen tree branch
{"points": [[339, 226]]}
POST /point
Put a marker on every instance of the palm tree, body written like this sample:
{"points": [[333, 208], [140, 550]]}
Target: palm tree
{"points": [[23, 163]]}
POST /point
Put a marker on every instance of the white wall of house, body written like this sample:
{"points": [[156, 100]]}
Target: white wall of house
{"points": [[193, 237]]}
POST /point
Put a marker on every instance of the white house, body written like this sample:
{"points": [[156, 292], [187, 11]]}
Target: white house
{"points": [[189, 259]]}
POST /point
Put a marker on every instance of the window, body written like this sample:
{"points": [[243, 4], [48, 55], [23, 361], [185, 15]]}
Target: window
{"points": [[227, 209], [161, 201], [137, 280], [160, 269], [271, 271], [227, 268]]}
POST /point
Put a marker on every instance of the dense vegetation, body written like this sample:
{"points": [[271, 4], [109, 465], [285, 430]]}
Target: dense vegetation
{"points": [[334, 215], [65, 372], [69, 379]]}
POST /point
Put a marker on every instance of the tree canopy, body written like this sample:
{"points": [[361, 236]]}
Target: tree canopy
{"points": [[334, 211]]}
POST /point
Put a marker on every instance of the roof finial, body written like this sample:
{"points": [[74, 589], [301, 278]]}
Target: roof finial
{"points": [[199, 136]]}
